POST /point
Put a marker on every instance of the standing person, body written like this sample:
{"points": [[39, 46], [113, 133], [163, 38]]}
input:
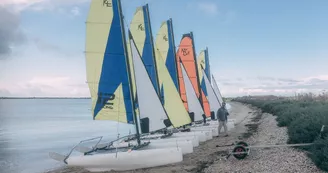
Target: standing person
{"points": [[222, 116]]}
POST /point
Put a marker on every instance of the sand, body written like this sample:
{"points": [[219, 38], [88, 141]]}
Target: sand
{"points": [[251, 126]]}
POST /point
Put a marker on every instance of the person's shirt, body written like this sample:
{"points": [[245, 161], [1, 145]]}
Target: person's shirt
{"points": [[222, 114]]}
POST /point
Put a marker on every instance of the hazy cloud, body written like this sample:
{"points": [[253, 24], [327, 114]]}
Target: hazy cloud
{"points": [[75, 11], [11, 34], [207, 7], [39, 5], [271, 85]]}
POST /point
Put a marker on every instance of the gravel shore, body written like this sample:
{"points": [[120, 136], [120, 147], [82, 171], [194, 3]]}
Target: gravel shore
{"points": [[251, 126]]}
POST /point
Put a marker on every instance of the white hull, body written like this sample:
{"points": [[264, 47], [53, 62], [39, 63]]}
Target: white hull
{"points": [[194, 140], [123, 161], [186, 146], [214, 130], [202, 135]]}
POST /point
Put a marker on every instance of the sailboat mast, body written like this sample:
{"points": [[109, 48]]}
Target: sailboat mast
{"points": [[174, 52], [153, 50], [195, 61], [129, 74]]}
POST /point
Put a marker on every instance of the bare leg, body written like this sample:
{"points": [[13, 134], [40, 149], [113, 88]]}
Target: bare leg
{"points": [[220, 126], [225, 128]]}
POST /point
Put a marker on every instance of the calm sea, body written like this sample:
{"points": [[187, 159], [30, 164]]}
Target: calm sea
{"points": [[31, 128]]}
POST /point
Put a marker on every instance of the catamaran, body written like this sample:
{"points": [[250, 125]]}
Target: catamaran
{"points": [[177, 116], [108, 77]]}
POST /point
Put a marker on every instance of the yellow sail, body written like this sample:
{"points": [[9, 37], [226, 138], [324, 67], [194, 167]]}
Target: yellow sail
{"points": [[171, 98], [105, 59]]}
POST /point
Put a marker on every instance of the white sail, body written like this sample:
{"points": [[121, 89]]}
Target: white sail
{"points": [[211, 96], [217, 90], [149, 103], [193, 102]]}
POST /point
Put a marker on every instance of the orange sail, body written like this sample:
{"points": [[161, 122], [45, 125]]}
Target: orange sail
{"points": [[186, 55]]}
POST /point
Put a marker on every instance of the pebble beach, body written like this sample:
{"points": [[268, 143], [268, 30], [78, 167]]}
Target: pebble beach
{"points": [[253, 127]]}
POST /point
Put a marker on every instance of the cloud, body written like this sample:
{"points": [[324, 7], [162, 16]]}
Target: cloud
{"points": [[210, 8], [47, 86], [263, 85], [40, 5], [11, 34], [75, 11]]}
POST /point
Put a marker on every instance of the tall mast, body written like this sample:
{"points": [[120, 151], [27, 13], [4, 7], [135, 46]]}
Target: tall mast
{"points": [[174, 53], [153, 51], [195, 61], [129, 74]]}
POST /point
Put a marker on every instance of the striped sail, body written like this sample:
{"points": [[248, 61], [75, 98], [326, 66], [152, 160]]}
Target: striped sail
{"points": [[106, 65], [186, 54], [141, 31], [170, 96]]}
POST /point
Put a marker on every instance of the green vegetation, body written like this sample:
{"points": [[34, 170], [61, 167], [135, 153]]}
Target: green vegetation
{"points": [[303, 116]]}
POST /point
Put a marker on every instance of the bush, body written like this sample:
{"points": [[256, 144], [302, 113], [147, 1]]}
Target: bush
{"points": [[303, 119], [319, 153]]}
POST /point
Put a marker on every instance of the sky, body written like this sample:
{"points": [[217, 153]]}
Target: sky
{"points": [[255, 47]]}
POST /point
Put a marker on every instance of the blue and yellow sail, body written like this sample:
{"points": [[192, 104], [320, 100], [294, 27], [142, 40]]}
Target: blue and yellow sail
{"points": [[165, 61], [106, 62], [141, 31], [166, 46]]}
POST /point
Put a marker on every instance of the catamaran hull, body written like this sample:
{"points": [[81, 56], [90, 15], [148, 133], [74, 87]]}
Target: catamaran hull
{"points": [[194, 140], [214, 130], [124, 161], [186, 146], [202, 135]]}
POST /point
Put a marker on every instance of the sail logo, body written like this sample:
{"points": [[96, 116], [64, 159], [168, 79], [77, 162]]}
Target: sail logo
{"points": [[165, 38], [106, 99], [107, 3], [185, 51], [202, 63], [141, 27]]}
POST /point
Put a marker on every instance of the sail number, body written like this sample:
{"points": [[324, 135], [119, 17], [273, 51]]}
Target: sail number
{"points": [[185, 51], [104, 99], [107, 3]]}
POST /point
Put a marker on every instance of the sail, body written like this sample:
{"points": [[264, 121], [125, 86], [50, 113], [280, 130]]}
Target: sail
{"points": [[171, 101], [132, 82], [193, 102], [202, 64], [211, 96], [186, 54], [150, 107], [203, 61], [217, 90], [141, 31], [106, 65], [165, 44]]}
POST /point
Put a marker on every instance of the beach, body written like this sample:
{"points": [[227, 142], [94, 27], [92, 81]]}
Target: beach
{"points": [[252, 126]]}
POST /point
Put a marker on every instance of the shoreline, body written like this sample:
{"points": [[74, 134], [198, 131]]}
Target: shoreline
{"points": [[253, 127]]}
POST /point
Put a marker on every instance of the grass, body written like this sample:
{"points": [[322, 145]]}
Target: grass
{"points": [[303, 116]]}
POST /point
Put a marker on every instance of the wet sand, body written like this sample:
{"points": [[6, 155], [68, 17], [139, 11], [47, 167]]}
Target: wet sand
{"points": [[210, 155]]}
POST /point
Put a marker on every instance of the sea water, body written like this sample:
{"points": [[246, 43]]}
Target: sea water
{"points": [[31, 128]]}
